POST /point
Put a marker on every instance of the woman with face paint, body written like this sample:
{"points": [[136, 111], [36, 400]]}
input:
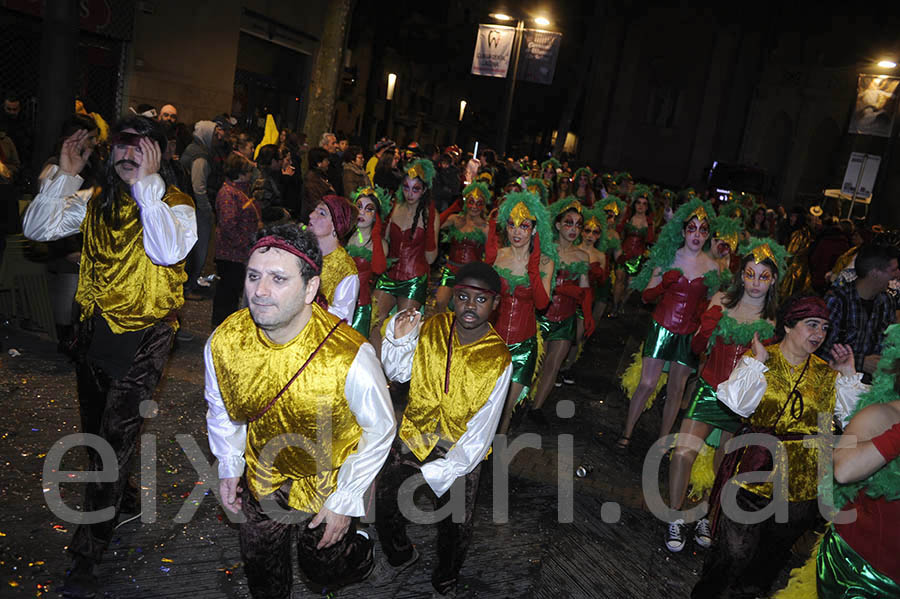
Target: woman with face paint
{"points": [[782, 391], [368, 249], [637, 232], [412, 244], [549, 168], [563, 188], [598, 241], [727, 328], [525, 265], [682, 277], [572, 290], [466, 233]]}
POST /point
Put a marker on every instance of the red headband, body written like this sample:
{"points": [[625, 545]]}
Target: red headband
{"points": [[476, 288], [271, 241], [808, 307]]}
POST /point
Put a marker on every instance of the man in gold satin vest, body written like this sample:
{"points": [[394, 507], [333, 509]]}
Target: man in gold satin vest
{"points": [[138, 228], [299, 419], [459, 370]]}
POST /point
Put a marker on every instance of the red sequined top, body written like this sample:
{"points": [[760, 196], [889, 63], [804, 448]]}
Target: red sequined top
{"points": [[681, 305], [408, 249]]}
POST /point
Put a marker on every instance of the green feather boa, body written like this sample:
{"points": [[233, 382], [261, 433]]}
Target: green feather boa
{"points": [[740, 333]]}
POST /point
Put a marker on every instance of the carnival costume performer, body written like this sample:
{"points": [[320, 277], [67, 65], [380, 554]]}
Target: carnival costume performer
{"points": [[332, 221], [284, 366], [583, 188], [466, 234], [412, 243], [549, 169], [138, 228], [726, 234], [571, 291], [598, 243], [682, 276], [637, 233], [368, 249], [797, 278], [727, 327], [525, 266], [783, 390], [538, 188], [562, 189], [859, 558], [458, 370]]}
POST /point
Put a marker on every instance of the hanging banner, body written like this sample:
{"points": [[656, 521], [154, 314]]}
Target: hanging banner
{"points": [[537, 59], [493, 47], [862, 170], [876, 105]]}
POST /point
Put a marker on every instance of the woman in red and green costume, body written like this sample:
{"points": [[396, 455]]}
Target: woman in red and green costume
{"points": [[599, 243], [637, 232], [548, 172], [582, 184], [525, 265], [368, 249], [466, 233], [412, 243], [682, 277], [727, 328], [571, 291]]}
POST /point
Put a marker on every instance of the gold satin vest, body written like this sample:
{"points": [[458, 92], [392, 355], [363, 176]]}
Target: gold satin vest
{"points": [[117, 278], [336, 266], [818, 390], [432, 414], [251, 370]]}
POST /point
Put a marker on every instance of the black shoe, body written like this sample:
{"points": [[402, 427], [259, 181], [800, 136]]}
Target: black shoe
{"points": [[81, 582], [384, 573]]}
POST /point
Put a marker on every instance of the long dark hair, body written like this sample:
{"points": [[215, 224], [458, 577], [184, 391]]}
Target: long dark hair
{"points": [[113, 186], [736, 290]]}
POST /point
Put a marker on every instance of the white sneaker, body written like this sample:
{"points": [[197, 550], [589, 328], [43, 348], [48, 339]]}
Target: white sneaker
{"points": [[675, 540], [703, 533]]}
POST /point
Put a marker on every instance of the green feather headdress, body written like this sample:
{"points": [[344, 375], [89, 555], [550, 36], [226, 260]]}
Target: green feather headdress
{"points": [[560, 206], [884, 482], [421, 168], [670, 239], [762, 248], [623, 176], [478, 186], [550, 162], [727, 229], [643, 191], [382, 198], [598, 215], [542, 219], [613, 204], [532, 183], [578, 173], [732, 209]]}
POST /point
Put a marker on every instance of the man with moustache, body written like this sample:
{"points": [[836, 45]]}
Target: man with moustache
{"points": [[138, 227], [300, 420], [459, 370]]}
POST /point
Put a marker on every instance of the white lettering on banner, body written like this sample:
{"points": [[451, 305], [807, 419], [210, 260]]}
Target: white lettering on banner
{"points": [[493, 48]]}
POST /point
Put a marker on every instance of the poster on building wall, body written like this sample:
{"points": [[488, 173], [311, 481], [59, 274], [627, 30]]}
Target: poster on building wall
{"points": [[537, 59], [862, 170], [876, 105], [493, 47]]}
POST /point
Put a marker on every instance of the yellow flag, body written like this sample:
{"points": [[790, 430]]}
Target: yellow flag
{"points": [[269, 137]]}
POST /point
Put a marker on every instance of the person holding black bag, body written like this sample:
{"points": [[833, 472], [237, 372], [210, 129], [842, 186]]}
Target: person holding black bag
{"points": [[780, 391]]}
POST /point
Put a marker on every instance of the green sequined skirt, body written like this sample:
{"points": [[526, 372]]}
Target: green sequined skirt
{"points": [[362, 319], [633, 265], [524, 358], [415, 289], [563, 330], [706, 407], [842, 573], [663, 344]]}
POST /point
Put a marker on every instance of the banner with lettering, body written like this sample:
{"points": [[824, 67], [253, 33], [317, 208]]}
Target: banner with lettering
{"points": [[493, 49]]}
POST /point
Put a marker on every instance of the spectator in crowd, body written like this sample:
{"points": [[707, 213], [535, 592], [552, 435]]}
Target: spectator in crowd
{"points": [[237, 218], [316, 184], [388, 173], [168, 115], [342, 145], [829, 245], [334, 172], [447, 186], [383, 145], [354, 170], [197, 161], [13, 122], [861, 310], [266, 189]]}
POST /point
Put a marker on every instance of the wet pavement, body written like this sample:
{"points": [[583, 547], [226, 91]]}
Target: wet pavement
{"points": [[565, 536]]}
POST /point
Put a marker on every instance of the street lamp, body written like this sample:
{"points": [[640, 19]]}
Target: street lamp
{"points": [[392, 82], [887, 64], [511, 75], [462, 109]]}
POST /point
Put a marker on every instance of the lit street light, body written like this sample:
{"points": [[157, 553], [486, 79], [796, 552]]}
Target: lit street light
{"points": [[462, 109], [392, 82], [887, 64]]}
